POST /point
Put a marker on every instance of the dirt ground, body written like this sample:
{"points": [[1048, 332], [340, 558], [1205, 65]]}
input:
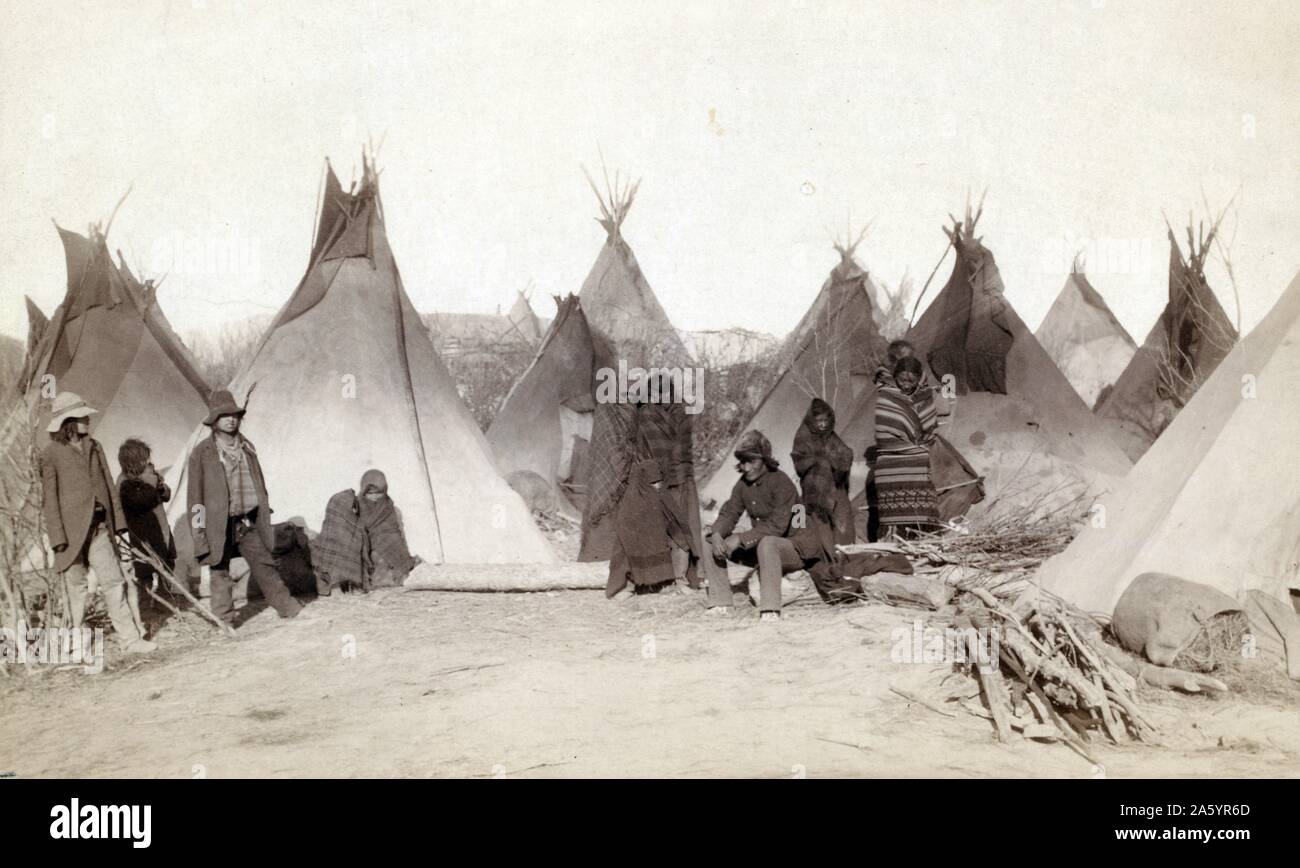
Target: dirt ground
{"points": [[431, 684]]}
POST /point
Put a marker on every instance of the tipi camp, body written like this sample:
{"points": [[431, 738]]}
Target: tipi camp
{"points": [[831, 354], [1210, 501], [110, 343], [346, 379], [550, 423], [1183, 348], [1015, 416], [1084, 338]]}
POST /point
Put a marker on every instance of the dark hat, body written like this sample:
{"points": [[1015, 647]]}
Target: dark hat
{"points": [[754, 445], [221, 403]]}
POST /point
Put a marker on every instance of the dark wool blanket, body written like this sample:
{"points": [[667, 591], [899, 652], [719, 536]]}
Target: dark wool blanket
{"points": [[357, 538], [385, 540], [823, 460], [646, 526], [338, 553]]}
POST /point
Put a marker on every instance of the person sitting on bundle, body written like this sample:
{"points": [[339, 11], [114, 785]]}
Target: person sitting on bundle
{"points": [[361, 542], [648, 529], [770, 498]]}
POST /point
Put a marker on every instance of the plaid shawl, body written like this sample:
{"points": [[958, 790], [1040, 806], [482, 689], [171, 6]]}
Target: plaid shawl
{"points": [[338, 554], [663, 434], [611, 432], [385, 542]]}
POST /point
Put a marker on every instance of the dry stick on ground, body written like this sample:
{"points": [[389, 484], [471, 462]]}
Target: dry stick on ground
{"points": [[1104, 672], [911, 697], [990, 680], [1068, 735], [150, 557], [861, 747], [175, 611], [1108, 718]]}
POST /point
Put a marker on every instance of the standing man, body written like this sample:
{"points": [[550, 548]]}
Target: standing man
{"points": [[662, 433], [229, 513], [83, 517]]}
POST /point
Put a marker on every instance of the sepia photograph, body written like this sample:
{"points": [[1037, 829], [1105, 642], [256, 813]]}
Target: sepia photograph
{"points": [[804, 389]]}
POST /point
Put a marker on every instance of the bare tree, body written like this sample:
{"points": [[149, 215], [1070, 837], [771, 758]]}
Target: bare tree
{"points": [[737, 382], [27, 580], [223, 354]]}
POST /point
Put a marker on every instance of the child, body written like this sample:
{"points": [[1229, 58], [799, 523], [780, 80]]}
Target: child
{"points": [[143, 494]]}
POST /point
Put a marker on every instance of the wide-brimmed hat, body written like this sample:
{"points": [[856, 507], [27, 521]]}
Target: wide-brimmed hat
{"points": [[222, 403], [754, 445], [67, 405]]}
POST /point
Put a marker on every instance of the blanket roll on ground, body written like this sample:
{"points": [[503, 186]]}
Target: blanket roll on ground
{"points": [[512, 577], [1160, 614]]}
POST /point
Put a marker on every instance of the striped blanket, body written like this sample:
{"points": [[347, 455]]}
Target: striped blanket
{"points": [[905, 428]]}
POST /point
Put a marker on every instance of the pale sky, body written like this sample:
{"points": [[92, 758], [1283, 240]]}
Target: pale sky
{"points": [[756, 129]]}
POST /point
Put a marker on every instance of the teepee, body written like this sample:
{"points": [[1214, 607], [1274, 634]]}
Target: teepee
{"points": [[523, 323], [346, 378], [37, 322], [544, 424], [1084, 338], [1186, 344], [1215, 500], [895, 309], [831, 354], [551, 423], [1014, 416], [110, 343], [621, 309]]}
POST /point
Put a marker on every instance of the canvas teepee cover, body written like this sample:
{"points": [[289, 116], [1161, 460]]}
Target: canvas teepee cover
{"points": [[1186, 344], [621, 309], [831, 354], [544, 424], [346, 378], [1015, 416], [1084, 338], [110, 343], [524, 325], [1215, 500], [37, 322]]}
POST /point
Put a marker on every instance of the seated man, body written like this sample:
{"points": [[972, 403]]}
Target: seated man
{"points": [[361, 541], [769, 497]]}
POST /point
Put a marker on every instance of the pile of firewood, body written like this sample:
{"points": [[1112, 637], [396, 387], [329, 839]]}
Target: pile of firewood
{"points": [[1000, 545], [1053, 677]]}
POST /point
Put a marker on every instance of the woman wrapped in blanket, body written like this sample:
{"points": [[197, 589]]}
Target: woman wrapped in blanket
{"points": [[361, 541], [648, 530], [822, 461], [906, 422]]}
